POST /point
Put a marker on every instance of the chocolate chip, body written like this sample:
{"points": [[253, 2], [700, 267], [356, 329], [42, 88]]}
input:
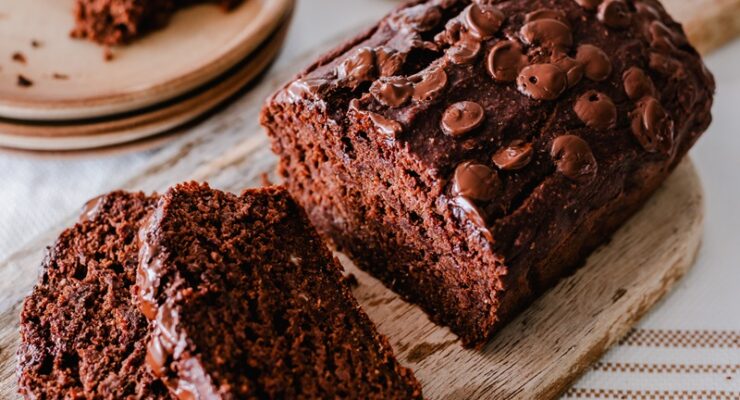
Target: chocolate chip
{"points": [[429, 83], [596, 110], [514, 156], [637, 84], [615, 14], [464, 51], [664, 38], [542, 81], [303, 89], [589, 4], [646, 11], [420, 18], [483, 20], [392, 91], [475, 181], [547, 13], [466, 210], [505, 60], [389, 61], [461, 118], [547, 32], [666, 65], [573, 158], [358, 68], [652, 126], [573, 69], [596, 63]]}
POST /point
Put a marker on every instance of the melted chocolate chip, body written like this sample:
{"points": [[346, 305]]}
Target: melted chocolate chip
{"points": [[547, 32], [464, 51], [420, 18], [573, 158], [505, 60], [652, 126], [514, 156], [547, 13], [461, 118], [664, 38], [358, 68], [637, 84], [389, 61], [596, 63], [429, 83], [666, 65], [646, 11], [387, 127], [466, 210], [392, 91], [483, 20], [589, 4], [542, 81], [303, 89], [573, 69], [475, 181], [596, 110], [615, 14]]}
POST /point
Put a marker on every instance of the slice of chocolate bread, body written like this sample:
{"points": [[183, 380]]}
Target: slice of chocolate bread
{"points": [[82, 335], [247, 302], [113, 22]]}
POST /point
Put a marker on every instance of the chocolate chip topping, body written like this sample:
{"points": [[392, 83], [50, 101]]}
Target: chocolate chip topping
{"points": [[505, 60], [542, 81], [573, 69], [615, 14], [596, 110], [392, 91], [475, 181], [420, 18], [589, 4], [483, 20], [652, 126], [547, 32], [303, 89], [461, 118], [514, 156], [663, 38], [464, 51], [666, 65], [573, 158], [596, 63], [472, 213], [637, 84], [389, 61], [387, 127], [358, 68], [547, 13], [429, 83]]}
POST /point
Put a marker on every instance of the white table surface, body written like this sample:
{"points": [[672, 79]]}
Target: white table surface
{"points": [[704, 310]]}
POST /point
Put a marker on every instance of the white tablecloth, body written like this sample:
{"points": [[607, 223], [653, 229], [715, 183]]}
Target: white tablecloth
{"points": [[688, 347]]}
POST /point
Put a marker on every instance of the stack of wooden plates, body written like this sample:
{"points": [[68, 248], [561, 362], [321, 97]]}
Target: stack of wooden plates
{"points": [[58, 93]]}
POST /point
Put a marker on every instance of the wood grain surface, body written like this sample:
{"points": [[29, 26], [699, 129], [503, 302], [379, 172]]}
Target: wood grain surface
{"points": [[536, 356]]}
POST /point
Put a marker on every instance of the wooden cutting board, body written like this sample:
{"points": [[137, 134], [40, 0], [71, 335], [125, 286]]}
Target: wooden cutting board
{"points": [[71, 79], [536, 356]]}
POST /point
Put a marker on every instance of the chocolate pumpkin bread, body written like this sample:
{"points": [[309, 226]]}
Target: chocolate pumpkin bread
{"points": [[246, 302], [82, 335], [113, 22], [470, 154]]}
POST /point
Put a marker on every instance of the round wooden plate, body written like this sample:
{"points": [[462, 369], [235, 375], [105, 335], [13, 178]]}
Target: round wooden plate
{"points": [[131, 127], [71, 79]]}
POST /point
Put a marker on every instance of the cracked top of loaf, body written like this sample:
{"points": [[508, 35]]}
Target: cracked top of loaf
{"points": [[498, 102]]}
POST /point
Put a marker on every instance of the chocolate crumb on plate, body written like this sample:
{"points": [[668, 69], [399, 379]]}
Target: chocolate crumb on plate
{"points": [[23, 81], [19, 57]]}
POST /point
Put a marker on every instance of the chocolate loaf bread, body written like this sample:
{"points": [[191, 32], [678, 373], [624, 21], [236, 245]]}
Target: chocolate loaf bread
{"points": [[470, 154], [82, 335], [114, 22], [246, 302]]}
